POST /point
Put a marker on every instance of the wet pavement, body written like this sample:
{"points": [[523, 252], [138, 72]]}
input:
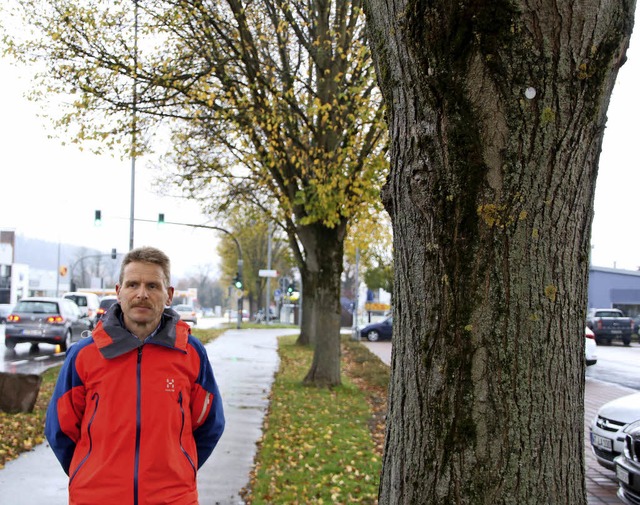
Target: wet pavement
{"points": [[244, 363]]}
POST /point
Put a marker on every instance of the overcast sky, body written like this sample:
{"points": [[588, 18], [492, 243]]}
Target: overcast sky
{"points": [[50, 191]]}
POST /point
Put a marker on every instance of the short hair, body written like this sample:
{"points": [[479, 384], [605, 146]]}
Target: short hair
{"points": [[147, 254]]}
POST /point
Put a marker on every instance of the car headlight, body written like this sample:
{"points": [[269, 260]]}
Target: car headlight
{"points": [[631, 426]]}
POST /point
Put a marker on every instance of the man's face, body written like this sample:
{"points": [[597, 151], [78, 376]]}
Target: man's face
{"points": [[143, 296]]}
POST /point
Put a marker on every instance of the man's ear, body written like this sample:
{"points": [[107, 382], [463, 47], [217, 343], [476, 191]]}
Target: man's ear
{"points": [[169, 296]]}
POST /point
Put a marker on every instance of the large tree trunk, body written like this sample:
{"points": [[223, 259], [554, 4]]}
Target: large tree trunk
{"points": [[496, 112], [324, 251]]}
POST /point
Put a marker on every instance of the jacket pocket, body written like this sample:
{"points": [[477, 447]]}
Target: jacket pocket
{"points": [[96, 400], [182, 425]]}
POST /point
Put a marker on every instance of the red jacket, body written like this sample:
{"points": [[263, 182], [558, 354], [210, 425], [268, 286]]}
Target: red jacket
{"points": [[132, 421]]}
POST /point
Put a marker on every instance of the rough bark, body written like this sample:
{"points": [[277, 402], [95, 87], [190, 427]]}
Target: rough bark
{"points": [[324, 249], [496, 112]]}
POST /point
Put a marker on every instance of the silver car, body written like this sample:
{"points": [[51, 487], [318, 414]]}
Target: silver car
{"points": [[45, 320], [187, 313], [610, 426]]}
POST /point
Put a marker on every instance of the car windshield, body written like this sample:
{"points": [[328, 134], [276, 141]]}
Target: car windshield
{"points": [[37, 307], [80, 301]]}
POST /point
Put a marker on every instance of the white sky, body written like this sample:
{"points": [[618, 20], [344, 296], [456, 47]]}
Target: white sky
{"points": [[50, 191]]}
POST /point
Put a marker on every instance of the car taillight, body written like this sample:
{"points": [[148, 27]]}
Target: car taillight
{"points": [[590, 335], [55, 319], [101, 311], [13, 318], [599, 324]]}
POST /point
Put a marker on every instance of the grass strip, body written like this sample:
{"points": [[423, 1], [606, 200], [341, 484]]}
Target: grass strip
{"points": [[321, 445], [21, 432]]}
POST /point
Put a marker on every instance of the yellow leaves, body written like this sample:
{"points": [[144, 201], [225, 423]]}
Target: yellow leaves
{"points": [[317, 447]]}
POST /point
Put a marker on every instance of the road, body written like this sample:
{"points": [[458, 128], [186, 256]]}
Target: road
{"points": [[617, 364]]}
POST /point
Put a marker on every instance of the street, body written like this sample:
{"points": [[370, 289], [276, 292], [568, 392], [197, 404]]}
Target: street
{"points": [[618, 364]]}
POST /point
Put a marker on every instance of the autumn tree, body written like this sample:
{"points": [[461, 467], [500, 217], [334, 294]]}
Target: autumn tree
{"points": [[274, 102], [252, 233], [497, 111]]}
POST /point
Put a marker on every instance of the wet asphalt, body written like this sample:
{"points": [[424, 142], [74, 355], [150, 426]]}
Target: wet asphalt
{"points": [[244, 363]]}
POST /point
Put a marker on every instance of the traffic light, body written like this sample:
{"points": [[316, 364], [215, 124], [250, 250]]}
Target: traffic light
{"points": [[62, 271], [161, 218], [292, 287], [237, 281], [97, 220], [113, 254]]}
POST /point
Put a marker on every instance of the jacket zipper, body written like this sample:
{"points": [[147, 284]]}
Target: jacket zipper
{"points": [[184, 451], [96, 398], [138, 422]]}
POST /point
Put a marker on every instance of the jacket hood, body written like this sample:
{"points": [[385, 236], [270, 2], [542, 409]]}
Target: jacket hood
{"points": [[114, 340]]}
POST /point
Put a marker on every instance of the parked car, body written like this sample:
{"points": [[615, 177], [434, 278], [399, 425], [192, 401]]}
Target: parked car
{"points": [[609, 426], [88, 303], [608, 324], [45, 320], [628, 466], [187, 313], [5, 310], [105, 303], [590, 355], [378, 331]]}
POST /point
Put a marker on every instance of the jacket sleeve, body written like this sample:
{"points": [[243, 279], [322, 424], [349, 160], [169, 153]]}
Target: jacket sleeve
{"points": [[206, 407], [65, 411]]}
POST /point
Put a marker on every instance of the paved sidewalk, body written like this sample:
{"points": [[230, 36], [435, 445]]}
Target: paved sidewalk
{"points": [[244, 363], [602, 485]]}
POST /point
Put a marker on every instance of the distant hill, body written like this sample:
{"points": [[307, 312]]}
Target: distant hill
{"points": [[43, 255]]}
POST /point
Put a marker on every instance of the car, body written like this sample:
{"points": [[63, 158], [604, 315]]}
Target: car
{"points": [[88, 303], [5, 310], [187, 313], [609, 428], [590, 355], [378, 331], [45, 320], [628, 466], [105, 303]]}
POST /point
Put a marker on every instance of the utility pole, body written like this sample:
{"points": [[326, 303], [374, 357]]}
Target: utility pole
{"points": [[268, 294]]}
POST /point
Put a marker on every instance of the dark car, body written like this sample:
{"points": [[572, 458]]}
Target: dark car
{"points": [[628, 466], [45, 320], [378, 331], [105, 304]]}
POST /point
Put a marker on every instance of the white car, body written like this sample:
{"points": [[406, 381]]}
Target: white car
{"points": [[590, 347], [610, 426]]}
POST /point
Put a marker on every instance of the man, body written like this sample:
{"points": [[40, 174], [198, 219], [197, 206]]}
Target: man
{"points": [[136, 410]]}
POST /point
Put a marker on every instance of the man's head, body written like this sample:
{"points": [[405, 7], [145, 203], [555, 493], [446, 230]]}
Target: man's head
{"points": [[144, 289]]}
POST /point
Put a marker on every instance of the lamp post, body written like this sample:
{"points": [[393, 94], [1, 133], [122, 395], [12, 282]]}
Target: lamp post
{"points": [[134, 123]]}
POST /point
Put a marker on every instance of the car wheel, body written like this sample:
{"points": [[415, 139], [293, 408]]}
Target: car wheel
{"points": [[373, 336], [64, 346], [10, 344], [626, 340], [609, 341]]}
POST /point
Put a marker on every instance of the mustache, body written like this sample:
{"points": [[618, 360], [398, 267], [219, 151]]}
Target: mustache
{"points": [[143, 305]]}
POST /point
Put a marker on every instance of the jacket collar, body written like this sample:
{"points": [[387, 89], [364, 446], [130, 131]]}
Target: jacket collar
{"points": [[113, 339]]}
